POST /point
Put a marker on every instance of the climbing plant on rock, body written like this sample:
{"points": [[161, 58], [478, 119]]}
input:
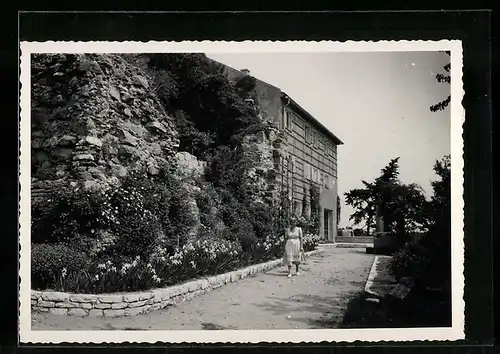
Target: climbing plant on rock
{"points": [[315, 217]]}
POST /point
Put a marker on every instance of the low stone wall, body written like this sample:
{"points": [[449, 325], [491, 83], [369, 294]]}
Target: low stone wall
{"points": [[129, 304]]}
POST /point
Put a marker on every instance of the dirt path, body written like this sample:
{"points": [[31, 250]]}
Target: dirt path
{"points": [[317, 298]]}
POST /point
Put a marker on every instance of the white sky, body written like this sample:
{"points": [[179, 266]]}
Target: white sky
{"points": [[377, 103]]}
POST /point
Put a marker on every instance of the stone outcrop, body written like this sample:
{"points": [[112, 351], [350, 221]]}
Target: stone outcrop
{"points": [[94, 118], [189, 165], [258, 150]]}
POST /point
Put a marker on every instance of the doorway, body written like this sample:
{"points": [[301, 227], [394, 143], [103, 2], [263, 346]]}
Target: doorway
{"points": [[327, 214]]}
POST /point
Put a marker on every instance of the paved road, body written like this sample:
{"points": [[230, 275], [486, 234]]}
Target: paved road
{"points": [[317, 298]]}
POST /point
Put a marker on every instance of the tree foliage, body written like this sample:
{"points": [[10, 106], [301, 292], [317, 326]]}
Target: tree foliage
{"points": [[315, 209], [212, 116], [401, 205], [428, 260], [443, 78], [214, 111]]}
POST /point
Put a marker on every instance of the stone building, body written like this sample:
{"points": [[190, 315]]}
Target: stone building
{"points": [[304, 153]]}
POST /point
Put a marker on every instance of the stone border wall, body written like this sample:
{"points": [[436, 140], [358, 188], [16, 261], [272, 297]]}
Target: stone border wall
{"points": [[129, 304]]}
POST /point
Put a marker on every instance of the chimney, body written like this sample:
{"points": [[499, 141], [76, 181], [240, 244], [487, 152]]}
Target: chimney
{"points": [[245, 71]]}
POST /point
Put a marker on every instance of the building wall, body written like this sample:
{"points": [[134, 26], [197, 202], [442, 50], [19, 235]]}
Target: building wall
{"points": [[268, 96], [313, 154], [314, 161]]}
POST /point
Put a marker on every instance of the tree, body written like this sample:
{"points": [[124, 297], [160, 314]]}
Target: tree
{"points": [[363, 202], [438, 238], [400, 205], [443, 78], [428, 260]]}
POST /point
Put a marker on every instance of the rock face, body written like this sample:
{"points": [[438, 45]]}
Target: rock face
{"points": [[94, 118], [189, 165], [258, 149]]}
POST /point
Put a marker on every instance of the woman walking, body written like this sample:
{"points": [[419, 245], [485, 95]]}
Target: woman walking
{"points": [[293, 247]]}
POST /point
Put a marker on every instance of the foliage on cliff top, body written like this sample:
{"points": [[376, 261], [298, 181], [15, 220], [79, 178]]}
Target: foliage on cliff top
{"points": [[211, 111]]}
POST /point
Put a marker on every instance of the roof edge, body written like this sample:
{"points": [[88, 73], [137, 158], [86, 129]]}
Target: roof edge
{"points": [[308, 115]]}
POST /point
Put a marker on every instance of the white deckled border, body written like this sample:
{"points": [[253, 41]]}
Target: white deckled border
{"points": [[135, 303], [455, 332]]}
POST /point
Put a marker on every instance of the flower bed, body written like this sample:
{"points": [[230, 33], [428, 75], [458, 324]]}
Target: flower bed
{"points": [[129, 304], [194, 260]]}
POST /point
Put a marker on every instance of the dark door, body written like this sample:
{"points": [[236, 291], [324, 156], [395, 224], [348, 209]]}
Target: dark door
{"points": [[326, 223]]}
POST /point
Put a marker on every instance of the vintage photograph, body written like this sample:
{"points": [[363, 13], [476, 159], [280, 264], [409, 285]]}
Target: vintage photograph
{"points": [[193, 192]]}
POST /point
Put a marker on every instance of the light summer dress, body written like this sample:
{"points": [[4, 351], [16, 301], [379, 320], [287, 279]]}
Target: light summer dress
{"points": [[293, 254]]}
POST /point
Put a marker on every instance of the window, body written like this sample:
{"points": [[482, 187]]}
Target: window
{"points": [[294, 165], [308, 134], [314, 138], [321, 142], [306, 171], [321, 178], [333, 149], [327, 181], [286, 118], [315, 176], [330, 148]]}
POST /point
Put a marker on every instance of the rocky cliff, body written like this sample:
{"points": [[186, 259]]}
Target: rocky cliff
{"points": [[94, 118]]}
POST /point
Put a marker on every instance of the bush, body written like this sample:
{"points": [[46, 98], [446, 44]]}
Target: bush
{"points": [[409, 261], [129, 220], [262, 220], [68, 215], [201, 258], [310, 242], [208, 203], [61, 268], [49, 262], [428, 259], [270, 248]]}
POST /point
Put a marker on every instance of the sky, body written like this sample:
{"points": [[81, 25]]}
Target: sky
{"points": [[377, 103]]}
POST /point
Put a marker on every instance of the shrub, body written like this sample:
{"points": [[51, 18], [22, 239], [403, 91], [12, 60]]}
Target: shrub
{"points": [[428, 259], [262, 220], [68, 215], [123, 212], [128, 220], [269, 248], [411, 260], [310, 242], [61, 268], [208, 203], [306, 223], [50, 261], [201, 258]]}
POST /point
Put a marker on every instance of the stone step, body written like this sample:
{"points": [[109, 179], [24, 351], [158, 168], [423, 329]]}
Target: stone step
{"points": [[353, 245], [355, 239]]}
